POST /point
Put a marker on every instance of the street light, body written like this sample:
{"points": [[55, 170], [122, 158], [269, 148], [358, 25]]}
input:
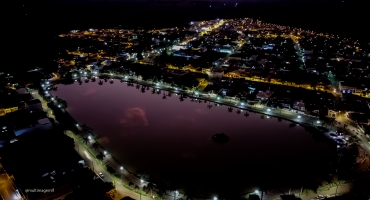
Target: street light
{"points": [[318, 122], [105, 152], [141, 181], [269, 109], [215, 198], [121, 168], [242, 103], [89, 137], [299, 117], [218, 98], [77, 125], [256, 191]]}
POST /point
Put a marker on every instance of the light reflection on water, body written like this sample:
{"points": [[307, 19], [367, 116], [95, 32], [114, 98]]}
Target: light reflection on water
{"points": [[170, 139]]}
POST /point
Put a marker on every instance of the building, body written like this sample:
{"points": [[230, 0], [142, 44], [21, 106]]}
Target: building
{"points": [[299, 105], [264, 95], [43, 124], [34, 105]]}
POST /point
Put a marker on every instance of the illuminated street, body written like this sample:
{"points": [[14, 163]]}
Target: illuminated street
{"points": [[7, 191]]}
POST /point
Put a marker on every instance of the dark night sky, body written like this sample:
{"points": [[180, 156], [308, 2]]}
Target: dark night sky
{"points": [[55, 16]]}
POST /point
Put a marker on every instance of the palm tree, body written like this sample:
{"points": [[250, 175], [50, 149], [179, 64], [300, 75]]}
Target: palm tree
{"points": [[159, 92], [150, 187], [230, 109], [164, 97], [96, 146], [238, 112], [209, 106], [153, 91], [100, 82], [147, 88], [100, 156], [85, 140], [169, 94], [246, 114], [142, 90], [181, 98], [136, 187], [137, 86]]}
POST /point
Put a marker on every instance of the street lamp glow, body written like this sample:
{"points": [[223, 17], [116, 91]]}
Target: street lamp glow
{"points": [[58, 106], [218, 98], [299, 117], [85, 73], [269, 109], [256, 191], [121, 168], [89, 137], [77, 125], [52, 98], [74, 75], [215, 198], [196, 93], [141, 181], [42, 85], [105, 152], [47, 82], [318, 122], [242, 103], [157, 84]]}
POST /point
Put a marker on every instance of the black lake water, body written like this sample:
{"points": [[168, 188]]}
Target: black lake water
{"points": [[172, 140]]}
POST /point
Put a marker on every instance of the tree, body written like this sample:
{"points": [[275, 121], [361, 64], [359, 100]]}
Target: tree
{"points": [[150, 187], [140, 56], [230, 109], [96, 146], [85, 140]]}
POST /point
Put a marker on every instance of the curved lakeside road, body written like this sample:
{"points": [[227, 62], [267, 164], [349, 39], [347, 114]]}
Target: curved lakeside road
{"points": [[270, 112]]}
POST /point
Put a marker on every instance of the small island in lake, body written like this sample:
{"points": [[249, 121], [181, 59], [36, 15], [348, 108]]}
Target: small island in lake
{"points": [[220, 138]]}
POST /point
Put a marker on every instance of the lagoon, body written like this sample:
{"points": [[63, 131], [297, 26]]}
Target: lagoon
{"points": [[171, 139]]}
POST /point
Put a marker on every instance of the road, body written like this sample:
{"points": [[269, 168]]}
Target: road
{"points": [[88, 155], [7, 190]]}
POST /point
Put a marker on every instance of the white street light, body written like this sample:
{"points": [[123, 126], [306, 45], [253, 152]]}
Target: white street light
{"points": [[299, 117], [77, 125], [74, 75], [52, 98], [58, 106], [85, 73], [242, 103], [121, 168], [89, 137], [215, 198], [141, 181], [256, 191], [47, 82], [318, 122], [218, 98], [105, 152], [42, 85], [269, 109]]}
